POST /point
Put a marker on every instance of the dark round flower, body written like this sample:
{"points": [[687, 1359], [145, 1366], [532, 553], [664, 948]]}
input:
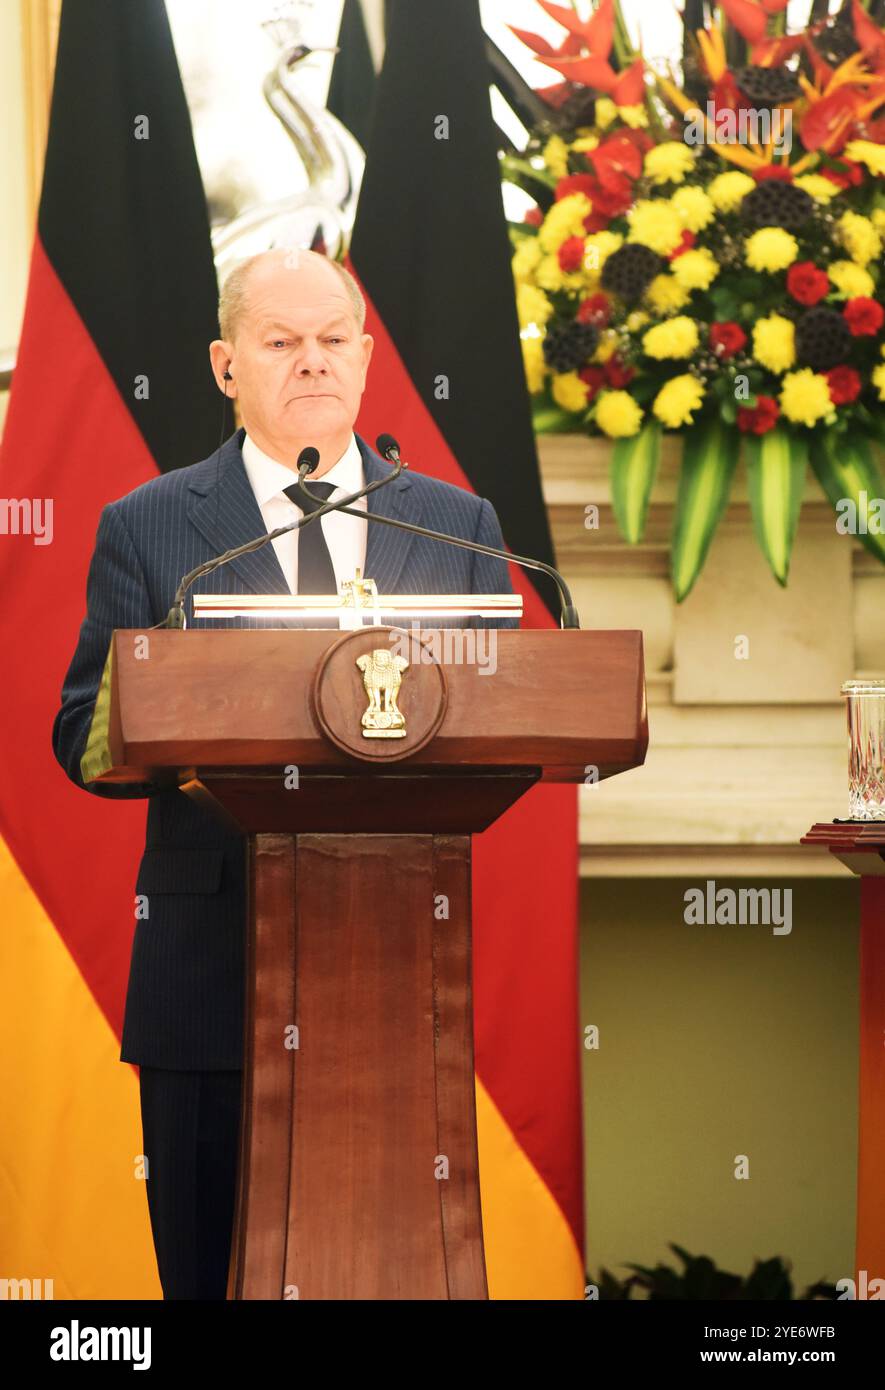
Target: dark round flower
{"points": [[823, 339], [836, 41], [767, 86], [578, 109], [630, 269], [777, 204], [568, 344]]}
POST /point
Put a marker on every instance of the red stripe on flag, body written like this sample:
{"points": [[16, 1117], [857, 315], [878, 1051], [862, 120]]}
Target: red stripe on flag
{"points": [[68, 437]]}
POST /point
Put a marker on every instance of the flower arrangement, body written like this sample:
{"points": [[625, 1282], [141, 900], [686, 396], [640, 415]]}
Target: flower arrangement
{"points": [[689, 267]]}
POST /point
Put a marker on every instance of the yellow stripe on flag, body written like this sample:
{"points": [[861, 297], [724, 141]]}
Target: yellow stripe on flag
{"points": [[529, 1247], [71, 1207]]}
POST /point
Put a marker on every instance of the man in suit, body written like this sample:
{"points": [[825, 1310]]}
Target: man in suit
{"points": [[294, 353]]}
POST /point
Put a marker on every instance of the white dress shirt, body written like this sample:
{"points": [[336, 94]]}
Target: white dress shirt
{"points": [[344, 535]]}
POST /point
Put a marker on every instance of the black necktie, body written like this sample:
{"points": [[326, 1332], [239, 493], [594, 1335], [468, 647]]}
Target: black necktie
{"points": [[316, 573]]}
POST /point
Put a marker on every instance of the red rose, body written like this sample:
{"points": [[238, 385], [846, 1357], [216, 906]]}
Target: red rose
{"points": [[617, 373], [863, 316], [687, 242], [597, 309], [773, 171], [575, 183], [534, 217], [846, 175], [594, 380], [571, 254], [726, 339], [844, 384], [761, 418], [806, 283]]}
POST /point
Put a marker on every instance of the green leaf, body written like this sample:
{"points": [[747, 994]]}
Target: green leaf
{"points": [[848, 474], [633, 469], [709, 456], [549, 418], [776, 465]]}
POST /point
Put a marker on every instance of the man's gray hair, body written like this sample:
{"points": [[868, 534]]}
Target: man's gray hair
{"points": [[232, 297]]}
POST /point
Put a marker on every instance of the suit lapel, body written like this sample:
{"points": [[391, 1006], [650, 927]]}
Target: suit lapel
{"points": [[226, 513], [387, 547], [224, 510]]}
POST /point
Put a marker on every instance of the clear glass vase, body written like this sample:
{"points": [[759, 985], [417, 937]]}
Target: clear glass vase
{"points": [[866, 749]]}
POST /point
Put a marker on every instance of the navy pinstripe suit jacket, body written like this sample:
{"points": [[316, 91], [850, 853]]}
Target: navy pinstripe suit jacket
{"points": [[184, 1004]]}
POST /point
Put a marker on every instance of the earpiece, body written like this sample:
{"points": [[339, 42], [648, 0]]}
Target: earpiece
{"points": [[227, 377]]}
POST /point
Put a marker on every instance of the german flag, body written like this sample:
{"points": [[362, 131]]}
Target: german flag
{"points": [[431, 252], [111, 386]]}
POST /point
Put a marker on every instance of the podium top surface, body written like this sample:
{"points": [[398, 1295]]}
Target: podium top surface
{"points": [[569, 703]]}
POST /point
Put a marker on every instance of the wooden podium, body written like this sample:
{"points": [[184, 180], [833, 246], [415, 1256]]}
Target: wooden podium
{"points": [[359, 784]]}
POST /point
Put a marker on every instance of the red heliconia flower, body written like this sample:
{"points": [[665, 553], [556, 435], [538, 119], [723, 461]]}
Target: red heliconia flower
{"points": [[687, 242], [806, 283], [594, 380], [844, 384], [571, 254], [597, 309], [761, 418], [864, 316], [534, 217], [726, 339], [773, 171], [617, 373]]}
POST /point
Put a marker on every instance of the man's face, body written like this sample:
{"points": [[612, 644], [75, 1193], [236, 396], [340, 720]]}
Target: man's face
{"points": [[298, 359]]}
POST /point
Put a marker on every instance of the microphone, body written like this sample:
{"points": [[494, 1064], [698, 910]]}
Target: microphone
{"points": [[307, 462], [568, 613]]}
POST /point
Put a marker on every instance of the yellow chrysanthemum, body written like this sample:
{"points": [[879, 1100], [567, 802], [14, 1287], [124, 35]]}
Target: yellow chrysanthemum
{"points": [[636, 117], [598, 248], [532, 305], [727, 190], [774, 343], [617, 414], [555, 155], [584, 143], [569, 391], [695, 270], [878, 380], [771, 249], [850, 279], [805, 397], [656, 225], [867, 152], [665, 294], [605, 112], [551, 276], [607, 346], [525, 259], [859, 237], [817, 187], [668, 163], [674, 338], [638, 319], [677, 400], [533, 362], [564, 219], [695, 207], [877, 217]]}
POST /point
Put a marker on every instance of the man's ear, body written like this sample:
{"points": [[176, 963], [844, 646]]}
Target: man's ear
{"points": [[368, 343], [220, 357]]}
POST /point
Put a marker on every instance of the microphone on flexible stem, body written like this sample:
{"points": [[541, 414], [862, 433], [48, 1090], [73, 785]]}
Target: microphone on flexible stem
{"points": [[568, 612], [307, 462]]}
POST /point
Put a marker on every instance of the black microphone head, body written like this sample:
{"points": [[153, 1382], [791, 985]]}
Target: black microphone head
{"points": [[387, 447], [227, 377], [308, 459]]}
